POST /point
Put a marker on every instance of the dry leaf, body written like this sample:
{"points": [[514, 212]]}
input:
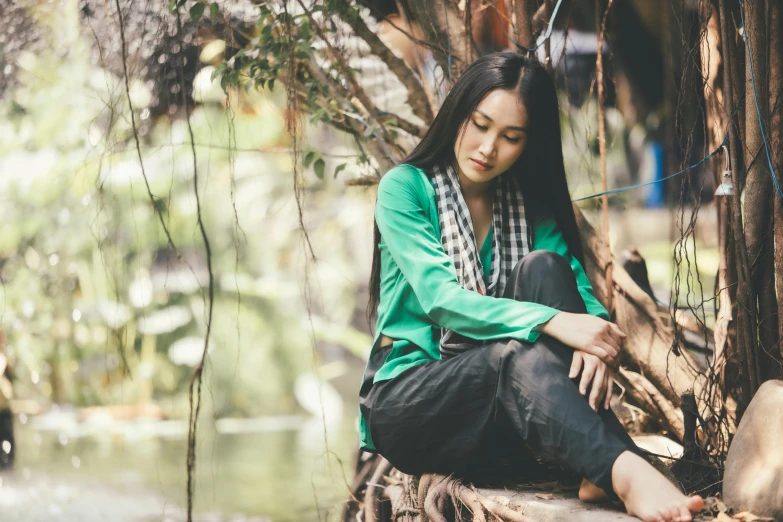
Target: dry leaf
{"points": [[545, 496], [710, 502], [723, 516]]}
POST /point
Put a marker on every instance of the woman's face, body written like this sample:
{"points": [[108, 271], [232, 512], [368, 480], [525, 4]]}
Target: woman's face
{"points": [[493, 138]]}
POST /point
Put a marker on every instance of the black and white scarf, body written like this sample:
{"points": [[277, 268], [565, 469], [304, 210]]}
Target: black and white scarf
{"points": [[510, 241]]}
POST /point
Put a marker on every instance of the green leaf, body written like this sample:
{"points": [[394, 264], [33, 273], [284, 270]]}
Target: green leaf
{"points": [[319, 167], [219, 70], [309, 157], [214, 11], [197, 11], [172, 6], [339, 169], [271, 84]]}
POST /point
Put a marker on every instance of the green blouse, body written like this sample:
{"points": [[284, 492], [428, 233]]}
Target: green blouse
{"points": [[485, 254], [420, 292]]}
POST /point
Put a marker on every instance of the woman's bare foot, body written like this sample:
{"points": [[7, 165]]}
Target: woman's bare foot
{"points": [[649, 495], [589, 492]]}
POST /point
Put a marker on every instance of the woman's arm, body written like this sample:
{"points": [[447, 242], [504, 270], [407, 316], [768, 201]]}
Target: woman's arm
{"points": [[415, 247]]}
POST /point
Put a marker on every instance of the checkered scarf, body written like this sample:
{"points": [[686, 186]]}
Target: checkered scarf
{"points": [[510, 241]]}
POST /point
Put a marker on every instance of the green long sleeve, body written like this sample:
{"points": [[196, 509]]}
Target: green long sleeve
{"points": [[415, 247]]}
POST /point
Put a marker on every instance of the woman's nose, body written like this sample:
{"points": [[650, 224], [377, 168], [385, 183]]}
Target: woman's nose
{"points": [[487, 147]]}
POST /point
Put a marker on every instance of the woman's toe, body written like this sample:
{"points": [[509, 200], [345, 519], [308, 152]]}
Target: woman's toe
{"points": [[685, 514], [695, 503]]}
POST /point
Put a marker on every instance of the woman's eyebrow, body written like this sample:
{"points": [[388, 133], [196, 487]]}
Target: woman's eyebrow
{"points": [[521, 129]]}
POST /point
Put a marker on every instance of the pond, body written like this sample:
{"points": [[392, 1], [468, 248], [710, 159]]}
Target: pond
{"points": [[265, 469]]}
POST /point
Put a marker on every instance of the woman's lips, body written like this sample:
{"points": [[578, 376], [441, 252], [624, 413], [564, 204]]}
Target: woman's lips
{"points": [[481, 165]]}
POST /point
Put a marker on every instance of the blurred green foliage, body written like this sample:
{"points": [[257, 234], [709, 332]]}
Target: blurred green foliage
{"points": [[97, 306]]}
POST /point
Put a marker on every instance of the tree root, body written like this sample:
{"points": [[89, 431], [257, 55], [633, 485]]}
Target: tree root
{"points": [[502, 512], [470, 498], [434, 504], [644, 394], [429, 498], [374, 489]]}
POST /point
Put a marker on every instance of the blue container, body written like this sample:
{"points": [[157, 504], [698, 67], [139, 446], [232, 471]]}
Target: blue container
{"points": [[655, 197]]}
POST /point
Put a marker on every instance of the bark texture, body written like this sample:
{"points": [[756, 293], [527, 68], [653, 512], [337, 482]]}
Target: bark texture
{"points": [[740, 372], [758, 198], [776, 145]]}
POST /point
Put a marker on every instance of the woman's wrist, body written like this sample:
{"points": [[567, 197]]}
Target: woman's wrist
{"points": [[554, 324]]}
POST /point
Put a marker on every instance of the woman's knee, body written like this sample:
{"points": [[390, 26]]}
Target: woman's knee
{"points": [[542, 263], [546, 278]]}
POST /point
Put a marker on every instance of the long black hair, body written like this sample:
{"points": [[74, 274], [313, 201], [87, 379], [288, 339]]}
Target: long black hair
{"points": [[539, 169]]}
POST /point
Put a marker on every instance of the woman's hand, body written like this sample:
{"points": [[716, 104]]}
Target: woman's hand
{"points": [[586, 333], [594, 371]]}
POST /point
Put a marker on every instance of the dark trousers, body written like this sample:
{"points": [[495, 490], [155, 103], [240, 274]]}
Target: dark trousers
{"points": [[508, 401]]}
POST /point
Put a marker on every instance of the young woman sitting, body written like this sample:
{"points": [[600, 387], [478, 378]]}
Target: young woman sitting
{"points": [[490, 347]]}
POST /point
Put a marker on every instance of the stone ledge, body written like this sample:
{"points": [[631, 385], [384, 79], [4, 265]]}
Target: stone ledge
{"points": [[564, 507]]}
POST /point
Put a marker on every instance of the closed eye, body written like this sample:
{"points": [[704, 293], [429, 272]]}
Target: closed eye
{"points": [[480, 127], [512, 140]]}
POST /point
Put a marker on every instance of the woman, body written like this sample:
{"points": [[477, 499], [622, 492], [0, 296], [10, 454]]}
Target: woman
{"points": [[490, 346]]}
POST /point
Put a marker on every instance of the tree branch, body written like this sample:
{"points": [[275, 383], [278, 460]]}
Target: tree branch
{"points": [[416, 98], [523, 11], [541, 17], [441, 23], [644, 393], [380, 149], [356, 90]]}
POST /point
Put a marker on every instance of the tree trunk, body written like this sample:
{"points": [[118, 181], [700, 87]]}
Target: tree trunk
{"points": [[712, 70], [776, 143], [758, 197], [523, 12], [443, 26], [599, 81], [740, 371]]}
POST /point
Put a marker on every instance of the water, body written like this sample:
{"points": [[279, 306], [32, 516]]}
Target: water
{"points": [[281, 474]]}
